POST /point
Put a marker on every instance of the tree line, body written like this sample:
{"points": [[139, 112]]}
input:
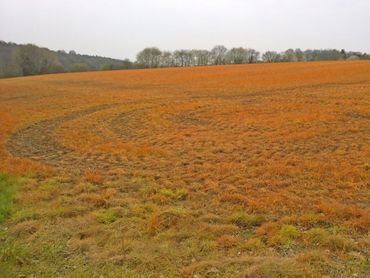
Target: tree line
{"points": [[153, 57], [29, 59]]}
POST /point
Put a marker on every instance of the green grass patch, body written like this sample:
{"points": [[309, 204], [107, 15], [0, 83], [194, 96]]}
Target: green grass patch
{"points": [[175, 194], [12, 254], [244, 220], [54, 251], [107, 216], [322, 237], [25, 214], [49, 185], [7, 193], [253, 244], [286, 236], [146, 188]]}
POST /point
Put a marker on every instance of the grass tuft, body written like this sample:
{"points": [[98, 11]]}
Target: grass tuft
{"points": [[286, 236], [242, 219], [7, 192], [177, 194], [253, 244], [277, 268], [107, 216], [94, 177]]}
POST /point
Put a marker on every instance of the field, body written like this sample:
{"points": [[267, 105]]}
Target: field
{"points": [[226, 171]]}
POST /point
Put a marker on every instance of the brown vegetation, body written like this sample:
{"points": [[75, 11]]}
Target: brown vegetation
{"points": [[249, 171]]}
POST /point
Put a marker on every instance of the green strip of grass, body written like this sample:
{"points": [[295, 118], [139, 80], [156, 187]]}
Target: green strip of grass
{"points": [[7, 192]]}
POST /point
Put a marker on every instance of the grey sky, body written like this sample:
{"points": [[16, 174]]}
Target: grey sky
{"points": [[120, 29]]}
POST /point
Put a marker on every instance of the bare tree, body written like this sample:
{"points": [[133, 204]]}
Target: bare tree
{"points": [[219, 54], [183, 58], [179, 58], [270, 56], [324, 55], [289, 56], [299, 55], [252, 55], [149, 57], [167, 59], [236, 55], [201, 57], [189, 59], [204, 58]]}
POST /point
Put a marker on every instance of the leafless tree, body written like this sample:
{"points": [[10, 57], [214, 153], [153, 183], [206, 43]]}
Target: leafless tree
{"points": [[289, 56], [252, 55], [219, 54], [167, 59], [183, 58], [236, 55], [149, 57], [270, 57], [201, 57], [299, 54]]}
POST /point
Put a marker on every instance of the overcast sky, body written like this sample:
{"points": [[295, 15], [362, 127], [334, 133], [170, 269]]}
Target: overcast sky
{"points": [[121, 28]]}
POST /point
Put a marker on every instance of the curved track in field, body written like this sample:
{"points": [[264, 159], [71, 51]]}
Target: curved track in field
{"points": [[37, 142], [193, 131]]}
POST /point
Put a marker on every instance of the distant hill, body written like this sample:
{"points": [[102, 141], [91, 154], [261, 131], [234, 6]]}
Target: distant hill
{"points": [[19, 60]]}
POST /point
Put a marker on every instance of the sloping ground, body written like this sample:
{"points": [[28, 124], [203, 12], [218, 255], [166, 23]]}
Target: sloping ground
{"points": [[68, 61], [252, 171]]}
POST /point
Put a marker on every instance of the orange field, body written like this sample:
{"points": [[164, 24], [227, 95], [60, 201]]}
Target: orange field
{"points": [[226, 171]]}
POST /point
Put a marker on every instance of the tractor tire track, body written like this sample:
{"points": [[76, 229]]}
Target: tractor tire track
{"points": [[37, 142]]}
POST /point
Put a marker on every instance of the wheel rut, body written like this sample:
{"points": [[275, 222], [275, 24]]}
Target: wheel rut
{"points": [[37, 142]]}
